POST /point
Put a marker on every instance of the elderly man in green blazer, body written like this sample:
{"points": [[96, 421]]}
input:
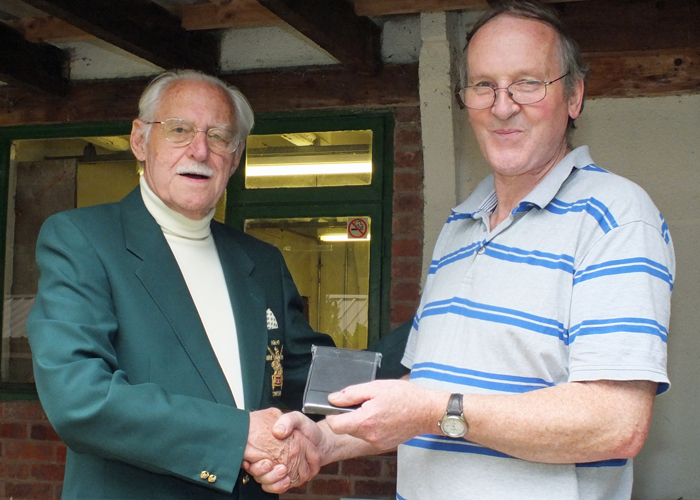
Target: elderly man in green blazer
{"points": [[163, 341]]}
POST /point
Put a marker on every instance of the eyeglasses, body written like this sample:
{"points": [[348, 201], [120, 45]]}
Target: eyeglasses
{"points": [[182, 132], [522, 92]]}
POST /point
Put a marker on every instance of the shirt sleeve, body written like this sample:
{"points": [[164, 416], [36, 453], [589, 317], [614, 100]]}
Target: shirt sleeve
{"points": [[621, 304]]}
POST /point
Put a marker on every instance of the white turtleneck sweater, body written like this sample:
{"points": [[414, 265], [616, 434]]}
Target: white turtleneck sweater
{"points": [[193, 246]]}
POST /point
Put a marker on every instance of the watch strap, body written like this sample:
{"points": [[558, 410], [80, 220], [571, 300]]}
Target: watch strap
{"points": [[454, 405]]}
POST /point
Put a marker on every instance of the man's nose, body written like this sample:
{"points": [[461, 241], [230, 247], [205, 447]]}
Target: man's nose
{"points": [[504, 105], [199, 148]]}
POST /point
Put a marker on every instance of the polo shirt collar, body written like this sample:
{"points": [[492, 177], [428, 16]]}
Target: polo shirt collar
{"points": [[484, 196]]}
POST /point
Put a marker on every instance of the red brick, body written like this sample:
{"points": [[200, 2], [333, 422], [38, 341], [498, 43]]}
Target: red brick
{"points": [[390, 469], [407, 114], [330, 469], [407, 224], [408, 181], [14, 470], [410, 247], [406, 268], [407, 139], [335, 486], [400, 313], [13, 431], [61, 453], [48, 472], [44, 432], [29, 451], [365, 467], [376, 489], [23, 410], [405, 292], [412, 160], [29, 491], [408, 202]]}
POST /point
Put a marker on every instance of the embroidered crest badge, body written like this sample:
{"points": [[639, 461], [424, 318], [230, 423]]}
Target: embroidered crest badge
{"points": [[275, 358]]}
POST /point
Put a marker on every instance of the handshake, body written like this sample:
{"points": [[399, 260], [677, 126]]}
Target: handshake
{"points": [[283, 450], [286, 450]]}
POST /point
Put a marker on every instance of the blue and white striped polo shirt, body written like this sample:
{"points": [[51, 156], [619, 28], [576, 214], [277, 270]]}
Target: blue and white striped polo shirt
{"points": [[574, 285]]}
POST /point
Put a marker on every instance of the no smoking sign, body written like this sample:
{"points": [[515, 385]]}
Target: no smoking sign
{"points": [[358, 228]]}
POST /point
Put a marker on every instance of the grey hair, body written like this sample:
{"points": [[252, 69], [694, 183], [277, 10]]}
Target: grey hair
{"points": [[150, 99], [570, 57]]}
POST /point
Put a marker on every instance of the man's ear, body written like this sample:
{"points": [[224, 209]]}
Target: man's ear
{"points": [[138, 139], [576, 99]]}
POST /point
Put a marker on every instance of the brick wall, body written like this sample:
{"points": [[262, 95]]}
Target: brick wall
{"points": [[32, 456]]}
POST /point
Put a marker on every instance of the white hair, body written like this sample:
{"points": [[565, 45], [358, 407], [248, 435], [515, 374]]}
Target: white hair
{"points": [[150, 99]]}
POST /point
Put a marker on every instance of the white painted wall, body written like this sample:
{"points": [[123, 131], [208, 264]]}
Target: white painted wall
{"points": [[656, 143]]}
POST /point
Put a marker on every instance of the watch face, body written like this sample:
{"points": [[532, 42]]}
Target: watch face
{"points": [[453, 427]]}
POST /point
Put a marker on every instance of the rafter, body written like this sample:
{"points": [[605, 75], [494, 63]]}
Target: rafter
{"points": [[333, 25], [231, 14], [140, 27], [40, 67]]}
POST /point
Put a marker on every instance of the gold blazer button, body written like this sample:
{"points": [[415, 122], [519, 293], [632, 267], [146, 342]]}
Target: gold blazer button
{"points": [[212, 478], [245, 479], [204, 474]]}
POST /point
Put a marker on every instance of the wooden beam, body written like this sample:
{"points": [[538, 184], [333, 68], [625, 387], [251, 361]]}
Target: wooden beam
{"points": [[40, 67], [391, 7], [333, 25], [48, 29], [300, 89], [232, 14], [644, 74], [633, 26], [140, 27]]}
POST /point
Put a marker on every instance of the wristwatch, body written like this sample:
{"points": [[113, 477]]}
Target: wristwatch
{"points": [[453, 423]]}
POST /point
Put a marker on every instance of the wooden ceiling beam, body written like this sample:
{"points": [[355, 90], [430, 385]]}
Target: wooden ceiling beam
{"points": [[48, 29], [139, 27], [396, 85], [633, 26], [391, 7], [232, 14], [40, 67], [333, 25]]}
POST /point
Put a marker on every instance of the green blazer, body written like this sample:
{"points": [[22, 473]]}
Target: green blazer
{"points": [[123, 365]]}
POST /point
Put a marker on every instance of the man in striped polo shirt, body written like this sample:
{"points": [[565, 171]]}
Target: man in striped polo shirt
{"points": [[540, 341]]}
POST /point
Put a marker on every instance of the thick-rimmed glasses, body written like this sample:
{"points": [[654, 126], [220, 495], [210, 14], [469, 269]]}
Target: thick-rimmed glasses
{"points": [[182, 132], [522, 92]]}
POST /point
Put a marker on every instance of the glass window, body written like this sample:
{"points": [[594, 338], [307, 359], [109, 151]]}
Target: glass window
{"points": [[309, 159], [48, 176], [329, 258]]}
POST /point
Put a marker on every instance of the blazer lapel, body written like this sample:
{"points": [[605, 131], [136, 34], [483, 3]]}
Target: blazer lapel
{"points": [[161, 276], [249, 309]]}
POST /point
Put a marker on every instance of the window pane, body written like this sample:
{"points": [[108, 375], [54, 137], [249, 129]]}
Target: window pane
{"points": [[341, 158], [329, 261], [49, 176]]}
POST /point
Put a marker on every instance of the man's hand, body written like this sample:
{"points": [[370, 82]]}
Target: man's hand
{"points": [[392, 412], [308, 438]]}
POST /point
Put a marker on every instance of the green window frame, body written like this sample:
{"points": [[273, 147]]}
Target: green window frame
{"points": [[373, 200], [21, 390]]}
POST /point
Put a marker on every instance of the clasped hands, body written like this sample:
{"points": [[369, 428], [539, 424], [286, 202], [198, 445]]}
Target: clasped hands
{"points": [[285, 451]]}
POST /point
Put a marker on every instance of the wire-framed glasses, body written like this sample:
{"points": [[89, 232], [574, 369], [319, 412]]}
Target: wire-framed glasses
{"points": [[522, 92], [182, 132]]}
